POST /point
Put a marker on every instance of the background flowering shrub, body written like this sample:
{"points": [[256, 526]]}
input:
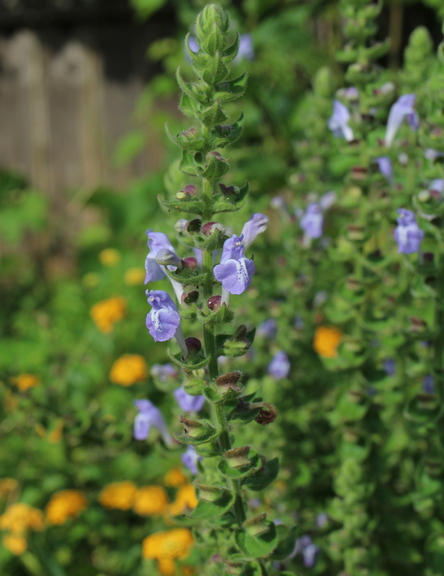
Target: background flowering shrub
{"points": [[345, 159]]}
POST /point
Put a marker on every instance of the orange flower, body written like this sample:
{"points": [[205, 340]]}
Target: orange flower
{"points": [[165, 547], [326, 341], [65, 504], [150, 501], [118, 495], [107, 312], [129, 369], [20, 517], [185, 500], [26, 381], [15, 543], [175, 478]]}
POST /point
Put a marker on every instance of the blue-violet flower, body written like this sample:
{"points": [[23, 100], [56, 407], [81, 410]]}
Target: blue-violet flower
{"points": [[407, 234], [149, 416], [279, 367], [187, 402], [163, 320], [190, 458], [402, 109], [338, 122]]}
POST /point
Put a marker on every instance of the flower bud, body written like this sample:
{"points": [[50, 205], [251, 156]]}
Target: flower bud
{"points": [[209, 493], [227, 189], [240, 333], [192, 428], [166, 257], [193, 344], [190, 298], [189, 262], [190, 134], [214, 302], [188, 192], [267, 415], [210, 227]]}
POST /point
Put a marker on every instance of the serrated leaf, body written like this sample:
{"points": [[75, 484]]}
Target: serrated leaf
{"points": [[231, 89], [213, 115], [189, 206], [189, 106], [207, 510], [187, 89], [257, 546], [179, 140], [216, 167], [264, 477], [230, 53]]}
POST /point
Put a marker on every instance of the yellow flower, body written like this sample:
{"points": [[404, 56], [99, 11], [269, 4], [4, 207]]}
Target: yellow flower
{"points": [[109, 257], [15, 543], [185, 500], [150, 501], [118, 495], [128, 369], [134, 276], [20, 517], [174, 478], [65, 504], [107, 312], [326, 341], [26, 381], [7, 487], [168, 545], [167, 566]]}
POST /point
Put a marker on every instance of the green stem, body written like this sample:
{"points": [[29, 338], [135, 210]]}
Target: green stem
{"points": [[218, 416]]}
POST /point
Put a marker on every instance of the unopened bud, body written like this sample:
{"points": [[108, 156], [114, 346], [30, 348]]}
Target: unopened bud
{"points": [[192, 428], [181, 225], [210, 227], [214, 302], [168, 258], [188, 192], [226, 189], [209, 493], [190, 298], [190, 134], [190, 262], [223, 130], [193, 344]]}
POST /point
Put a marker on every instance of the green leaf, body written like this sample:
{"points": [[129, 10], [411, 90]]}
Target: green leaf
{"points": [[215, 167], [190, 90], [231, 89], [287, 539], [187, 164], [180, 140], [257, 546], [145, 8], [213, 115], [230, 53], [226, 135], [186, 280], [253, 466], [221, 316], [215, 71], [232, 201], [190, 206], [264, 477], [200, 435], [423, 410], [196, 365], [206, 510], [189, 106]]}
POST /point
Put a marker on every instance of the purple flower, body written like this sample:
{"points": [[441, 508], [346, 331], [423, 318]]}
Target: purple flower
{"points": [[338, 122], [437, 185], [389, 366], [385, 167], [321, 520], [157, 241], [187, 402], [279, 367], [402, 109], [313, 221], [246, 50], [190, 459], [432, 154], [163, 320], [309, 551], [164, 372], [147, 417], [407, 234], [235, 271], [428, 385], [267, 329]]}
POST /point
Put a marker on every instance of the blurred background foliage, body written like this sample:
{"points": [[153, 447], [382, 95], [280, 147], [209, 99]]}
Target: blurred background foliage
{"points": [[66, 426]]}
